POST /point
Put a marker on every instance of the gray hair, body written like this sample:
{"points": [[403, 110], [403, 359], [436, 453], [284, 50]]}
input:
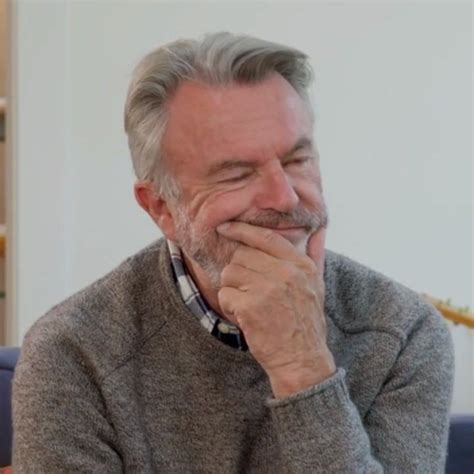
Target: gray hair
{"points": [[217, 59]]}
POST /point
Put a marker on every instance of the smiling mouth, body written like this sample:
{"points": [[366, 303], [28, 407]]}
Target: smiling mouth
{"points": [[293, 234], [288, 229], [294, 227]]}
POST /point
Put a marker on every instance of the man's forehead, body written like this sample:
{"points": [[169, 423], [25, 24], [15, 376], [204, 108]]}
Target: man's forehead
{"points": [[195, 92], [236, 120]]}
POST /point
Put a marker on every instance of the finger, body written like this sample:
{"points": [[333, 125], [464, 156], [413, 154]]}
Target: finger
{"points": [[228, 301], [315, 245], [260, 238], [238, 277], [254, 259]]}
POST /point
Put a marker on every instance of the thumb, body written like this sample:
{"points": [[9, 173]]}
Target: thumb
{"points": [[227, 297], [315, 248]]}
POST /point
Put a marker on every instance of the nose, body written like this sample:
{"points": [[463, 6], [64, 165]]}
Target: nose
{"points": [[276, 191]]}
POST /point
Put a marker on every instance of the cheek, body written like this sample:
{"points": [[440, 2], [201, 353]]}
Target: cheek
{"points": [[222, 206], [219, 208], [309, 191]]}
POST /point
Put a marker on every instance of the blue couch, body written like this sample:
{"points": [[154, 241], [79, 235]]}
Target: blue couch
{"points": [[461, 445], [8, 358], [461, 435]]}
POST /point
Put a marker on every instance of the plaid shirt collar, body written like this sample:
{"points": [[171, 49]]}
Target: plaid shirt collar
{"points": [[222, 330]]}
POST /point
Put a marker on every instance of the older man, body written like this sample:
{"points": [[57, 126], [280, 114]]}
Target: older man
{"points": [[237, 343]]}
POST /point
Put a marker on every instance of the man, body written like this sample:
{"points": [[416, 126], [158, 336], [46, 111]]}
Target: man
{"points": [[237, 343]]}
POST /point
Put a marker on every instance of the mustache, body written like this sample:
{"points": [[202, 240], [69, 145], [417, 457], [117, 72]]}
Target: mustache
{"points": [[300, 217]]}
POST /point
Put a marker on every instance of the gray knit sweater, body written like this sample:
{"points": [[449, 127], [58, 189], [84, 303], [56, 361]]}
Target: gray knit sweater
{"points": [[121, 377]]}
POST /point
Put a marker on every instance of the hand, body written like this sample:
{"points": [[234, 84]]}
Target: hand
{"points": [[276, 296]]}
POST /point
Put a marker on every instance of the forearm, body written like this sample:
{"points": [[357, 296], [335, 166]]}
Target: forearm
{"points": [[300, 377], [320, 429]]}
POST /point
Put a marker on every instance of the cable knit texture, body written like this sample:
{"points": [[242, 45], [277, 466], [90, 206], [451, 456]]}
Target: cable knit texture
{"points": [[122, 378]]}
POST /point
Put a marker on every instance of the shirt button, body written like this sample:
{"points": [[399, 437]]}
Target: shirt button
{"points": [[223, 328]]}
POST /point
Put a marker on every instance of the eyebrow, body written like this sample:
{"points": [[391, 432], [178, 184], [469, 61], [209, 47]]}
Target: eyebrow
{"points": [[301, 143]]}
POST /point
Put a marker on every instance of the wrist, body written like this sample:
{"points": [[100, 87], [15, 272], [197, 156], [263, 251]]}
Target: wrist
{"points": [[296, 379]]}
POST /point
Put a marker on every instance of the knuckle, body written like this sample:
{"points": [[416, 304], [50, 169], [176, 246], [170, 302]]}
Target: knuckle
{"points": [[309, 267], [225, 274], [225, 301], [222, 294]]}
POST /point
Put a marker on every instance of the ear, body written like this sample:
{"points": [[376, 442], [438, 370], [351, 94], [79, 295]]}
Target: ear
{"points": [[156, 207]]}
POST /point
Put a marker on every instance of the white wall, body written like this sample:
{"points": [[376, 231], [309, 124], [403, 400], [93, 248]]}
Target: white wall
{"points": [[394, 107]]}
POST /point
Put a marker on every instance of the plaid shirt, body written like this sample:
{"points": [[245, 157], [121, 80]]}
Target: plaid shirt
{"points": [[224, 331]]}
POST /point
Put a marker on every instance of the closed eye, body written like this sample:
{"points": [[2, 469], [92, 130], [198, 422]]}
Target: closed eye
{"points": [[297, 161], [237, 178]]}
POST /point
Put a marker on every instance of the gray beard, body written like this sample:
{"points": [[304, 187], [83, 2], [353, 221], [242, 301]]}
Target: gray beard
{"points": [[213, 252]]}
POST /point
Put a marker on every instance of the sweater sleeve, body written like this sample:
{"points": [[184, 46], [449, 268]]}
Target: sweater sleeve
{"points": [[59, 417], [405, 429]]}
